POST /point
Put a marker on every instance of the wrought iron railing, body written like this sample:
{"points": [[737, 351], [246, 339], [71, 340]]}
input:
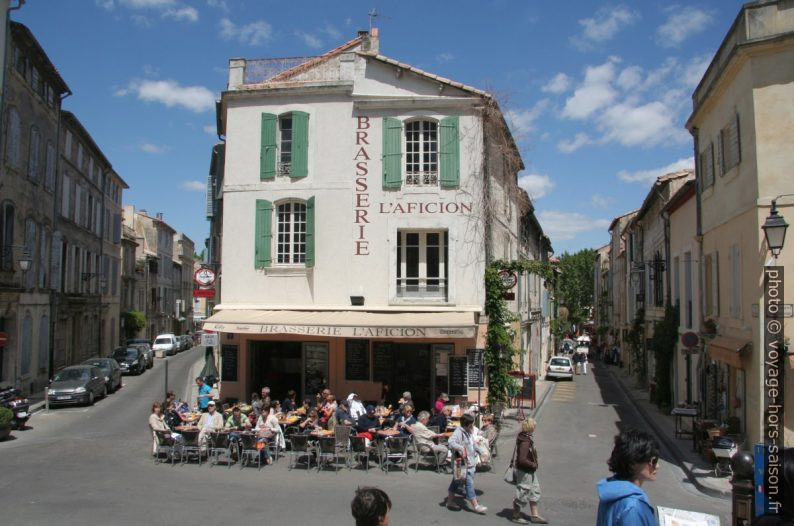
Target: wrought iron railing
{"points": [[421, 178], [284, 168], [422, 288]]}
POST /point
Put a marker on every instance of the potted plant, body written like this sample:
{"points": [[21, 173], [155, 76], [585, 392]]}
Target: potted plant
{"points": [[6, 415]]}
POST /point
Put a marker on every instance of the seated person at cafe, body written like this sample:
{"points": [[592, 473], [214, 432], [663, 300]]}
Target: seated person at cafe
{"points": [[441, 401], [276, 408], [406, 399], [425, 439], [367, 424], [442, 419], [320, 399], [289, 404], [404, 420], [328, 410], [305, 407], [237, 421], [268, 421], [209, 422], [342, 414], [157, 422], [356, 407], [311, 423], [174, 417]]}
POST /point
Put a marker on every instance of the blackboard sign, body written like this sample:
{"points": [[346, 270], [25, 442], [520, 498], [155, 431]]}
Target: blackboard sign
{"points": [[357, 360], [474, 358], [458, 380], [228, 363], [315, 357], [382, 361], [528, 387]]}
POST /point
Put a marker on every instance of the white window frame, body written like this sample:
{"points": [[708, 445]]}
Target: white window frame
{"points": [[419, 284], [285, 166], [421, 172], [285, 250]]}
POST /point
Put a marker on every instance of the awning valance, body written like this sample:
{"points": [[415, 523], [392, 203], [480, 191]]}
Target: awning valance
{"points": [[345, 324], [728, 350]]}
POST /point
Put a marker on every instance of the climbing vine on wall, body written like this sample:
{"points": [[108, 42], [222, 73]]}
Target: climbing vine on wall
{"points": [[665, 337]]}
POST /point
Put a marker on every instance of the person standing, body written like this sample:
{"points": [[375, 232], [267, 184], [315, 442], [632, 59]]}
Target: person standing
{"points": [[204, 394], [462, 443], [621, 499], [527, 484]]}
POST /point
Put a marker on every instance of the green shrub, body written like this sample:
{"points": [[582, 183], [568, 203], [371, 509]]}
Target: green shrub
{"points": [[5, 416]]}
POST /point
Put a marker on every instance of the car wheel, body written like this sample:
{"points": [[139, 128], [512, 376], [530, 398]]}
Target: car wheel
{"points": [[108, 389], [91, 398]]}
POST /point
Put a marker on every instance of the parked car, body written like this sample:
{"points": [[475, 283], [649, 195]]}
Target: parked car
{"points": [[560, 367], [77, 384], [131, 360], [110, 368], [148, 353], [166, 343], [187, 342]]}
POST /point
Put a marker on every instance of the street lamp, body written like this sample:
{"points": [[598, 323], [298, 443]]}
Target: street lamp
{"points": [[775, 228], [24, 261]]}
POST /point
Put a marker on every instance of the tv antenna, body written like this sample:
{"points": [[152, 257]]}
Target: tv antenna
{"points": [[372, 15]]}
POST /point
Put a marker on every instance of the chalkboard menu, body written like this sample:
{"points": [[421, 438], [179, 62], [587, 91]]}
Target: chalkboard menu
{"points": [[457, 376], [382, 361], [527, 387], [357, 360], [315, 359], [474, 358], [229, 363]]}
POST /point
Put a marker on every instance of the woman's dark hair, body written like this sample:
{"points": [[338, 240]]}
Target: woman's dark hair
{"points": [[466, 420], [370, 506], [631, 447], [291, 394]]}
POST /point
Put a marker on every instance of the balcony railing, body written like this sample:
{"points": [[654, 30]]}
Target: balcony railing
{"points": [[422, 288], [284, 168], [421, 178]]}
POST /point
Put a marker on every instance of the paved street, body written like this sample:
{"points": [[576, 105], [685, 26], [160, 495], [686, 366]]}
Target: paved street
{"points": [[93, 465]]}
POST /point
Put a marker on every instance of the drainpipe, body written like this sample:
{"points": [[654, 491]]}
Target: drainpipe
{"points": [[55, 221]]}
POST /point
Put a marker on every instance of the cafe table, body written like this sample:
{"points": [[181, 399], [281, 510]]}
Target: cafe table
{"points": [[288, 420], [317, 433]]}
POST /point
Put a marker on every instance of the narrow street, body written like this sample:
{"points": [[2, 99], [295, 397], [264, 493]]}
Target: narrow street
{"points": [[101, 456]]}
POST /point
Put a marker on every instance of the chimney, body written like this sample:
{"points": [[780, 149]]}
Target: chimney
{"points": [[160, 216], [369, 41]]}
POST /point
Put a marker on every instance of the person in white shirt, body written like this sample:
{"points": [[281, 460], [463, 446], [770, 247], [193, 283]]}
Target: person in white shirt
{"points": [[356, 407]]}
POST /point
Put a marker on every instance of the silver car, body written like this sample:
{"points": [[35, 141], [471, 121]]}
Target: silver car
{"points": [[560, 367], [77, 384]]}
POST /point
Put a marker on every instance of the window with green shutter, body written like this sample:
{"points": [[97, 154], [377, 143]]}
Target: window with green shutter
{"points": [[310, 232], [300, 144], [267, 149], [450, 152], [392, 152], [263, 234]]}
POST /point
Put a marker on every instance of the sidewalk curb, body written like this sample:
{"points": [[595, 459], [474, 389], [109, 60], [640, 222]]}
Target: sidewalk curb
{"points": [[671, 447]]}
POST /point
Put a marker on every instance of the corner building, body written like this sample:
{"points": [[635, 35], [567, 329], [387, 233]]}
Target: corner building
{"points": [[361, 201]]}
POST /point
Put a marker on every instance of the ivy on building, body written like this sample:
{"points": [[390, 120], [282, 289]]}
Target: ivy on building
{"points": [[635, 337], [665, 337], [134, 320]]}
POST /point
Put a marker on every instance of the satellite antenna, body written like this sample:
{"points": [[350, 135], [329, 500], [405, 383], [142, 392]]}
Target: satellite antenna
{"points": [[372, 14]]}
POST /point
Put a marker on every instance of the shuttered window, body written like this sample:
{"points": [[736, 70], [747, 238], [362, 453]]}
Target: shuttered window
{"points": [[730, 145], [450, 152], [34, 154], [706, 166], [734, 258], [310, 232], [421, 153], [300, 144], [291, 241], [13, 135], [267, 150], [263, 233], [392, 153]]}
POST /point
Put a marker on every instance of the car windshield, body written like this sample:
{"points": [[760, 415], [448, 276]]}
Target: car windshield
{"points": [[98, 363], [162, 341], [560, 361], [69, 375], [126, 354]]}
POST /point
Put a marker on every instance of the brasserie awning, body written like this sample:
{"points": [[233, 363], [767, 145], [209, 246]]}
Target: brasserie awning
{"points": [[728, 350], [345, 324]]}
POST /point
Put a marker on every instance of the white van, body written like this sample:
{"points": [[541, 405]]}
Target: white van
{"points": [[165, 345]]}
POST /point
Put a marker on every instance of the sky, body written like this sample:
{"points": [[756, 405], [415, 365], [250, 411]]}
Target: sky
{"points": [[596, 93]]}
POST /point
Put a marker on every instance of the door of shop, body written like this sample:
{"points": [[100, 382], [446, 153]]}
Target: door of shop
{"points": [[411, 372], [276, 365]]}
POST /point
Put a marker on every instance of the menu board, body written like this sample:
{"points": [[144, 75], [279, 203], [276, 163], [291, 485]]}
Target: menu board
{"points": [[315, 368], [458, 381], [474, 358], [527, 387], [357, 360], [382, 361], [228, 363]]}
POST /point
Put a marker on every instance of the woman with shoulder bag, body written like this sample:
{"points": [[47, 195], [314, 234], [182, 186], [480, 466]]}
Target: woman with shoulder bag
{"points": [[527, 485], [462, 444]]}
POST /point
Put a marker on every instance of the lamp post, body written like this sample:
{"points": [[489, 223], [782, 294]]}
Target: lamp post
{"points": [[775, 228]]}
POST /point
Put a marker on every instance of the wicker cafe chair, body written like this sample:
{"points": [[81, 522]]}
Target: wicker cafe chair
{"points": [[300, 448], [289, 432], [220, 445], [249, 451], [342, 439], [395, 453], [165, 444], [425, 454], [191, 445], [358, 450], [326, 452]]}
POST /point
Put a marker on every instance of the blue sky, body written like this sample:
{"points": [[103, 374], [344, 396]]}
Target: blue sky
{"points": [[596, 93]]}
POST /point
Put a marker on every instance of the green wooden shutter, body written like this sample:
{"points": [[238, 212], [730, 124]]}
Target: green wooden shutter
{"points": [[310, 232], [263, 233], [450, 152], [267, 148], [392, 152], [300, 144]]}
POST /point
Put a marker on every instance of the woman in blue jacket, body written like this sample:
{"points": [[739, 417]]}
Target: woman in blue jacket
{"points": [[622, 501]]}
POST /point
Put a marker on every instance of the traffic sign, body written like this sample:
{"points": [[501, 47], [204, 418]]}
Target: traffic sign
{"points": [[690, 339]]}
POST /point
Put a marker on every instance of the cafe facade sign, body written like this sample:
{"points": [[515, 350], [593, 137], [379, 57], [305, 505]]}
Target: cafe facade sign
{"points": [[345, 331]]}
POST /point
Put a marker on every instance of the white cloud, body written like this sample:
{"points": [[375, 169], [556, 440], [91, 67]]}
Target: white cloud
{"points": [[646, 176], [522, 121], [570, 146], [564, 225], [309, 39], [443, 58], [153, 148], [602, 201], [186, 13], [168, 92], [254, 34], [694, 71], [210, 129], [604, 25], [629, 78], [559, 84], [332, 31], [147, 4], [683, 22], [536, 185], [193, 186], [644, 125], [595, 92], [221, 4], [106, 4]]}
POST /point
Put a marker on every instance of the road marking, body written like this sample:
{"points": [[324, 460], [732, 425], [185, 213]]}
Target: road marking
{"points": [[591, 435], [565, 392]]}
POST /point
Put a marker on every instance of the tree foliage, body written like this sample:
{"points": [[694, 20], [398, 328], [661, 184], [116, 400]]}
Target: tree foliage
{"points": [[575, 284], [134, 320], [665, 338]]}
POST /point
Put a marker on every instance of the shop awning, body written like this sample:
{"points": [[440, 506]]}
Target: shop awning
{"points": [[345, 324], [728, 350]]}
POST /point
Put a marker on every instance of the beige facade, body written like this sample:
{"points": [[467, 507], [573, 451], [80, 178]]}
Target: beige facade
{"points": [[741, 122], [619, 285]]}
